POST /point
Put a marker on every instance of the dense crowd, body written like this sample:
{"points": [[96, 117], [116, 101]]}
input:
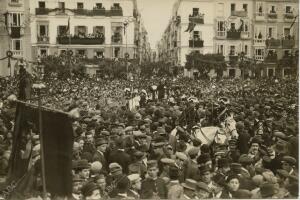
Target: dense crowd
{"points": [[149, 151]]}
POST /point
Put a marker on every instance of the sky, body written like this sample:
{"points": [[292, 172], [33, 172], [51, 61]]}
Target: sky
{"points": [[156, 15]]}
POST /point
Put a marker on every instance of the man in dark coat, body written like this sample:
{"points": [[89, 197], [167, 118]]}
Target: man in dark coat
{"points": [[99, 155], [153, 187], [120, 156]]}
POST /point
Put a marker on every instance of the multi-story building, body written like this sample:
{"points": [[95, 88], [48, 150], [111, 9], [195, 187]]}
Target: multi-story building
{"points": [[105, 28], [276, 35], [14, 33], [261, 31]]}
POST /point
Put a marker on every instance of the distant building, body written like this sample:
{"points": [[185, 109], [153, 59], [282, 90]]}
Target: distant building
{"points": [[14, 33], [262, 31]]}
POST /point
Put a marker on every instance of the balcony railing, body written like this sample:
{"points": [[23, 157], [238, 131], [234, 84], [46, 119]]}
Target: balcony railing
{"points": [[198, 19], [82, 41], [259, 41], [289, 16], [99, 12], [239, 13], [196, 43], [288, 43], [82, 12], [221, 34], [42, 11], [259, 57], [15, 3], [233, 58], [116, 12], [271, 58], [273, 43], [245, 34], [17, 53], [116, 39], [43, 39], [272, 15], [234, 34]]}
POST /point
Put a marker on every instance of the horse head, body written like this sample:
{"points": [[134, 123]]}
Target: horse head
{"points": [[230, 127]]}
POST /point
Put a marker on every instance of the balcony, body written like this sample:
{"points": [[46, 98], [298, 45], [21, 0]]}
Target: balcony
{"points": [[288, 17], [272, 16], [259, 41], [82, 41], [239, 13], [260, 16], [42, 11], [233, 58], [116, 12], [17, 53], [15, 3], [115, 39], [197, 19], [288, 43], [196, 43], [82, 12], [271, 58], [221, 34], [42, 39], [234, 34], [245, 35], [273, 43], [99, 12]]}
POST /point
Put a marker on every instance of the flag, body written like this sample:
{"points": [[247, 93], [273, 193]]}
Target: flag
{"points": [[57, 136], [68, 27], [294, 21], [191, 27]]}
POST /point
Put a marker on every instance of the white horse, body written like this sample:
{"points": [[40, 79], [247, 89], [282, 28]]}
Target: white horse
{"points": [[209, 135]]}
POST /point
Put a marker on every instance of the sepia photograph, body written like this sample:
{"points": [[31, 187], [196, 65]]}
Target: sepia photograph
{"points": [[149, 99]]}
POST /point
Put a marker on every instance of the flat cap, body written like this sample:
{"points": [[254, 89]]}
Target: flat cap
{"points": [[181, 156], [167, 161], [289, 159], [134, 178]]}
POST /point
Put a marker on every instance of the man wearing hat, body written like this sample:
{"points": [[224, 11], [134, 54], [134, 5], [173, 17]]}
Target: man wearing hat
{"points": [[289, 164], [189, 189], [120, 156], [203, 191], [100, 180], [99, 155], [82, 168], [175, 189], [222, 172], [115, 175], [180, 162], [90, 191], [166, 163], [206, 177], [153, 186], [135, 185], [77, 184], [191, 170]]}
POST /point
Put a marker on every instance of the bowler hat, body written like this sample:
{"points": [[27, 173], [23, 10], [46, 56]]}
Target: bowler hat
{"points": [[82, 164], [190, 184], [88, 188]]}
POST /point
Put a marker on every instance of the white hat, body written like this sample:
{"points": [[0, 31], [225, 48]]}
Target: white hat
{"points": [[134, 178]]}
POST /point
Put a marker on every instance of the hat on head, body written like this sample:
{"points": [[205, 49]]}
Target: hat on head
{"points": [[289, 159], [167, 161], [280, 147], [236, 167], [96, 167], [181, 156], [88, 188], [232, 176], [258, 179], [190, 184], [203, 158], [243, 194], [134, 178], [151, 164], [282, 173], [204, 168], [269, 177], [76, 178], [223, 162], [245, 159], [100, 142], [82, 164], [193, 152], [267, 190], [114, 167]]}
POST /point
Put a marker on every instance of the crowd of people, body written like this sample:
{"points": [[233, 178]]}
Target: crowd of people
{"points": [[149, 151]]}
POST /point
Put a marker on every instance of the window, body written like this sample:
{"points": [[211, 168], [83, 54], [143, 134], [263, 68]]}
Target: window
{"points": [[287, 52], [259, 54], [232, 50], [81, 52], [232, 26], [116, 5], [288, 9], [117, 52], [15, 19], [245, 7], [232, 7], [273, 9], [195, 11], [221, 28], [43, 30], [79, 5], [42, 4], [272, 32], [286, 32], [98, 5], [259, 8], [246, 49], [99, 54], [196, 35], [15, 1], [61, 5], [220, 49], [16, 45], [61, 30], [43, 52]]}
